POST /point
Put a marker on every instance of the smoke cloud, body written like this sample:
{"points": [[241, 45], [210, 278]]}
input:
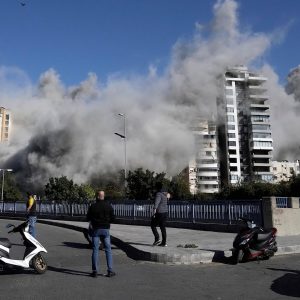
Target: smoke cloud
{"points": [[59, 130]]}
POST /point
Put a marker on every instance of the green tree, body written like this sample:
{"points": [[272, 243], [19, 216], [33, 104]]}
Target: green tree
{"points": [[295, 186], [11, 191], [179, 186], [112, 183], [142, 185], [62, 189], [86, 192]]}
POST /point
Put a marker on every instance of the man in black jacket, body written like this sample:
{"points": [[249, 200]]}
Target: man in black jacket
{"points": [[100, 215]]}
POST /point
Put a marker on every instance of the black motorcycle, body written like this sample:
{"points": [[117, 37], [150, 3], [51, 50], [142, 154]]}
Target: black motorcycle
{"points": [[253, 242]]}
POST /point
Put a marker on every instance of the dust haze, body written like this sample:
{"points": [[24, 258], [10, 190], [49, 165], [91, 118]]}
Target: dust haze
{"points": [[69, 130]]}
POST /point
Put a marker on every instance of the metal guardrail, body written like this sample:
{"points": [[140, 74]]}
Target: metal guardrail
{"points": [[220, 212], [282, 202]]}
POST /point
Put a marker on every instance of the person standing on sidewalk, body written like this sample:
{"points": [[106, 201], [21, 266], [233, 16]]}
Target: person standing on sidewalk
{"points": [[160, 214], [31, 213], [100, 215]]}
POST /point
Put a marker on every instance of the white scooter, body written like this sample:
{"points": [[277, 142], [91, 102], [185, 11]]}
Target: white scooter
{"points": [[32, 256]]}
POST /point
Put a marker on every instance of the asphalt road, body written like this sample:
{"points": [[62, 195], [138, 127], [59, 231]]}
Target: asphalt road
{"points": [[69, 260]]}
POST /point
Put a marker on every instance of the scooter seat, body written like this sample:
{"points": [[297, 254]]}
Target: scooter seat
{"points": [[263, 236], [5, 242]]}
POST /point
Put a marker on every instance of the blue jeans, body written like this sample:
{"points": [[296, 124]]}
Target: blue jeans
{"points": [[32, 221], [104, 235]]}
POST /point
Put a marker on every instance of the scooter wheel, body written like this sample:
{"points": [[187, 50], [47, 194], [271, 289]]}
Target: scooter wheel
{"points": [[237, 256], [39, 264]]}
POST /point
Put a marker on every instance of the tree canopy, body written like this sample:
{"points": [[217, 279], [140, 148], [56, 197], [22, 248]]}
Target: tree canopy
{"points": [[64, 189]]}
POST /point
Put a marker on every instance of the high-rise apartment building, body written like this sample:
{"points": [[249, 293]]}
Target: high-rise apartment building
{"points": [[5, 124], [244, 129], [204, 167]]}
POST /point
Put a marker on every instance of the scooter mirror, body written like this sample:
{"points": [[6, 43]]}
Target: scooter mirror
{"points": [[9, 225]]}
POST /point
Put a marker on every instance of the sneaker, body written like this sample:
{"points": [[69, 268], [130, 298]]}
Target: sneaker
{"points": [[156, 242], [110, 274], [94, 274], [162, 245]]}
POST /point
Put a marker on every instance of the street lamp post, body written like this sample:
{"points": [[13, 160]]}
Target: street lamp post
{"points": [[2, 188], [124, 137]]}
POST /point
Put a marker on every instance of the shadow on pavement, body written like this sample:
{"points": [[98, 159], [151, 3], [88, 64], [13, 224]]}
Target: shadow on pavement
{"points": [[288, 284], [131, 251], [83, 246], [140, 244], [219, 256], [77, 245], [68, 271]]}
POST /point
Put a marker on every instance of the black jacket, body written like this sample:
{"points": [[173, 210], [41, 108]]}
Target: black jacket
{"points": [[100, 214]]}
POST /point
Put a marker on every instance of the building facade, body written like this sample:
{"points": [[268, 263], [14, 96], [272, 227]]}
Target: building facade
{"points": [[284, 170], [204, 167], [244, 129], [5, 124]]}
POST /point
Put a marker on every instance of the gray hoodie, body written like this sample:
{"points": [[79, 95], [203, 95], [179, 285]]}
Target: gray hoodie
{"points": [[161, 202]]}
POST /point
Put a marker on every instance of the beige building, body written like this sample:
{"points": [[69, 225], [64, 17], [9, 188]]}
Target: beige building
{"points": [[204, 167], [5, 124], [284, 170]]}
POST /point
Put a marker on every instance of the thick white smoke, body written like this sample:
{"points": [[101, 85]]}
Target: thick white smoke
{"points": [[60, 130]]}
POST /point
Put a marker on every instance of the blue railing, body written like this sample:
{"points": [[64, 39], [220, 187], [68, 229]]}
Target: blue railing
{"points": [[219, 211], [282, 202]]}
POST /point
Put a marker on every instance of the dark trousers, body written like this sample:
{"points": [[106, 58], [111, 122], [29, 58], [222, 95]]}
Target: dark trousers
{"points": [[159, 219]]}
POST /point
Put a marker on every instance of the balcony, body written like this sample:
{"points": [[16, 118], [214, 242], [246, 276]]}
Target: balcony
{"points": [[257, 90], [259, 105], [255, 80], [211, 166], [260, 164], [259, 97]]}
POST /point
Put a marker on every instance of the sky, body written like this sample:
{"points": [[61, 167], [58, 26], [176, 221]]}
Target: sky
{"points": [[68, 68], [113, 37]]}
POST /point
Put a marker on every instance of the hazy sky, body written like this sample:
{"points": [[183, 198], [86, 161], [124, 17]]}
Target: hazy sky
{"points": [[76, 37], [67, 68]]}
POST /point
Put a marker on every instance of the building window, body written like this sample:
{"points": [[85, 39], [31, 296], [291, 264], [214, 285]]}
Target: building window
{"points": [[7, 117], [229, 92], [231, 127], [262, 144], [267, 177], [261, 135], [231, 135], [230, 118], [261, 127], [230, 109], [231, 143], [260, 118]]}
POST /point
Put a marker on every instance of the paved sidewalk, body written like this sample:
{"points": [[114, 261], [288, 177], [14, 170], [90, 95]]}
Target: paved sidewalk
{"points": [[137, 241]]}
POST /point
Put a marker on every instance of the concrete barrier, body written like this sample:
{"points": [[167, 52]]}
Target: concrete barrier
{"points": [[286, 220]]}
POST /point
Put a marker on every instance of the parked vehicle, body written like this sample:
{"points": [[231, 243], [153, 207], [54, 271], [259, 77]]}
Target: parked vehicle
{"points": [[32, 255], [253, 242]]}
